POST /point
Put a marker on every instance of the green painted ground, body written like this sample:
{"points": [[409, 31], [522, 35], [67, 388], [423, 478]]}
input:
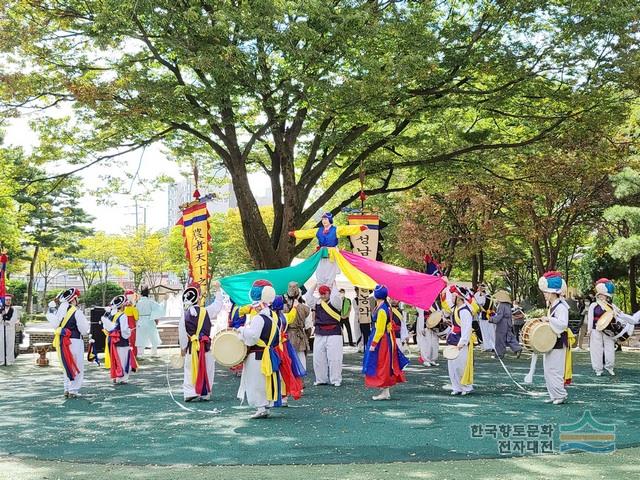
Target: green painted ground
{"points": [[140, 424]]}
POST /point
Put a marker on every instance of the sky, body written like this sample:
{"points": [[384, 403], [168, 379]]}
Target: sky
{"points": [[114, 219]]}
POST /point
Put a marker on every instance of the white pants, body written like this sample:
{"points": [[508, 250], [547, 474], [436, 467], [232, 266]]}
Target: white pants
{"points": [[428, 343], [326, 272], [189, 384], [327, 358], [253, 383], [147, 335], [7, 344], [77, 350], [553, 362], [601, 344], [456, 370], [123, 355], [302, 356], [488, 331]]}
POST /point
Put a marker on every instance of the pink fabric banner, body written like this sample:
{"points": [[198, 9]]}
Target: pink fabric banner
{"points": [[413, 288]]}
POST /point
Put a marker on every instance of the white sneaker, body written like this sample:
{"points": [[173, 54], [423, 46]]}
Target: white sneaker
{"points": [[456, 393], [598, 374], [426, 364], [549, 400], [559, 401], [337, 384], [435, 364], [315, 384], [382, 396], [467, 392], [260, 414], [611, 372]]}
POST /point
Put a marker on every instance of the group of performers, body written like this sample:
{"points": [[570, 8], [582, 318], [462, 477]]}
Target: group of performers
{"points": [[273, 329]]}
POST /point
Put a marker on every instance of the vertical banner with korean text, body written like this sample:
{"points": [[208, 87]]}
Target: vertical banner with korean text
{"points": [[4, 259], [195, 230], [366, 245]]}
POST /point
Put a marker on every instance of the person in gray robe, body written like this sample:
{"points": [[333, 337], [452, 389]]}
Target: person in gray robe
{"points": [[504, 325]]}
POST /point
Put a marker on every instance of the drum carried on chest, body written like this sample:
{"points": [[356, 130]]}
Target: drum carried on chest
{"points": [[436, 322], [228, 349], [618, 329], [538, 336]]}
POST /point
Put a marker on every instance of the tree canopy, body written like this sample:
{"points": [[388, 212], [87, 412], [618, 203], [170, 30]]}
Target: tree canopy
{"points": [[309, 92]]}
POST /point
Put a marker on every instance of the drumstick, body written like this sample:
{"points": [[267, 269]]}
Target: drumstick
{"points": [[532, 369]]}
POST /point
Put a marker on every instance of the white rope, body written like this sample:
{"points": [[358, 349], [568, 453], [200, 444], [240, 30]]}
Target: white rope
{"points": [[215, 411], [511, 376]]}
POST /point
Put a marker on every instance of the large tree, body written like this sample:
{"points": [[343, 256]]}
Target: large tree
{"points": [[310, 91]]}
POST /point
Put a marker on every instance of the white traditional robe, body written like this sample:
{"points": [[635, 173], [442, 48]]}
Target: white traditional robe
{"points": [[147, 332], [123, 352], [554, 360], [253, 382], [456, 366], [188, 383], [8, 338], [55, 317], [328, 351], [428, 340]]}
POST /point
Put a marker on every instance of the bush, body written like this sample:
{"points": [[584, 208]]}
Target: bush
{"points": [[93, 296], [18, 289]]}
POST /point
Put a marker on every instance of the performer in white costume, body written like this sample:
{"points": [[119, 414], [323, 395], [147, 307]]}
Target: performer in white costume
{"points": [[487, 329], [9, 321], [557, 362], [148, 312], [427, 338], [260, 382], [70, 324], [327, 346], [194, 333], [118, 345], [463, 338]]}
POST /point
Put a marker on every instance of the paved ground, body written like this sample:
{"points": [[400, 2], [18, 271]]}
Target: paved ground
{"points": [[139, 424]]}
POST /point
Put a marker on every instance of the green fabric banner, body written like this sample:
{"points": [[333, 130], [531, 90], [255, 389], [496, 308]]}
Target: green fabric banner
{"points": [[238, 286]]}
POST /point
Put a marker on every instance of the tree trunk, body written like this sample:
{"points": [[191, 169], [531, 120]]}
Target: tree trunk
{"points": [[32, 270], [633, 293], [474, 272], [254, 229], [480, 266]]}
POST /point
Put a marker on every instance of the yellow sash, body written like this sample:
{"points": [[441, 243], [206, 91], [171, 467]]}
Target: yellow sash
{"points": [[571, 340], [330, 311], [56, 333], [266, 367], [195, 345], [467, 375]]}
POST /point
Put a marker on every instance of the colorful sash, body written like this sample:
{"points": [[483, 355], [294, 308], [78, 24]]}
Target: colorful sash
{"points": [[467, 375], [335, 315], [111, 357], [270, 367], [569, 342], [62, 343], [199, 375]]}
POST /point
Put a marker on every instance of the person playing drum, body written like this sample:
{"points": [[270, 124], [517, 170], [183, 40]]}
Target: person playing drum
{"points": [[557, 362], [194, 332], [427, 337], [602, 342], [261, 382], [463, 339]]}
